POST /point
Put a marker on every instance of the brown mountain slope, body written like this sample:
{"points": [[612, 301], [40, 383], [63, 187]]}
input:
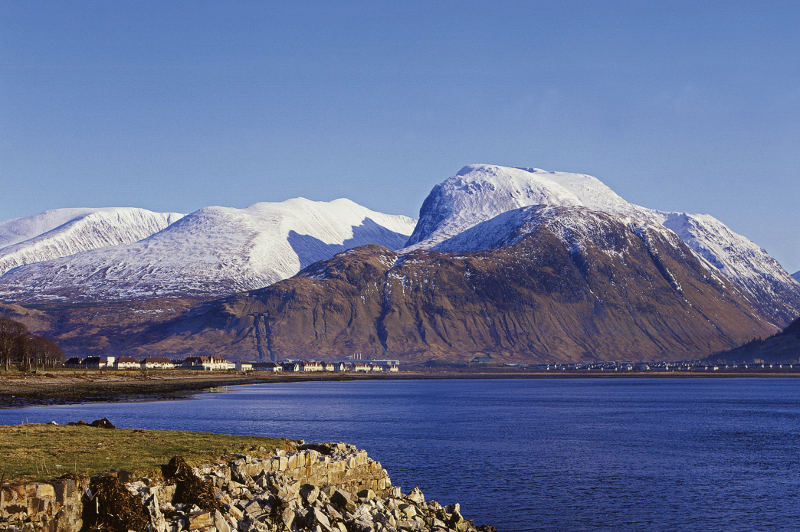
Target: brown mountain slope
{"points": [[783, 347], [606, 290]]}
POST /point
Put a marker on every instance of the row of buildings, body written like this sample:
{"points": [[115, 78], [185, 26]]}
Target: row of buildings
{"points": [[663, 366], [216, 363]]}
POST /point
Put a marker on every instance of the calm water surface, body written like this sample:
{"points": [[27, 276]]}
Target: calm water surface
{"points": [[666, 454]]}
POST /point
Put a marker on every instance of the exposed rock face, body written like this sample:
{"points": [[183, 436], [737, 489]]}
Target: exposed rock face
{"points": [[780, 348], [328, 487], [549, 290]]}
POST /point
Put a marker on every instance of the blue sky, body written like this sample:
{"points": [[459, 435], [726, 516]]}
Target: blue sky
{"points": [[174, 106]]}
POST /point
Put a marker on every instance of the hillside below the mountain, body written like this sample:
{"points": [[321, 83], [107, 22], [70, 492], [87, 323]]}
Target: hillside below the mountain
{"points": [[780, 348]]}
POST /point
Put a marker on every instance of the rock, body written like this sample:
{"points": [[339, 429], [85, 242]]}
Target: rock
{"points": [[102, 423], [341, 499], [416, 496], [321, 519], [201, 520], [219, 522], [366, 494], [157, 521], [360, 525], [408, 511], [309, 493], [234, 512], [287, 518]]}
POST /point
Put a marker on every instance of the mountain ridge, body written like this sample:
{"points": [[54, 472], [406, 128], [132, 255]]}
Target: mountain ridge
{"points": [[479, 192], [212, 252], [63, 232]]}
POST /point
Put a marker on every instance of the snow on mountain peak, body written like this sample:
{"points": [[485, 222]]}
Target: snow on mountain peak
{"points": [[481, 192], [61, 232], [212, 251]]}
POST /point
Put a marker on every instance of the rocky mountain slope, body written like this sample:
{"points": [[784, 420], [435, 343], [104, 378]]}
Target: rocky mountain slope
{"points": [[63, 232], [480, 192], [211, 252], [796, 276], [780, 348], [567, 283]]}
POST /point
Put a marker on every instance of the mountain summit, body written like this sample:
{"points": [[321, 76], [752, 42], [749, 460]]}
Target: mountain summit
{"points": [[213, 251], [61, 232], [480, 192]]}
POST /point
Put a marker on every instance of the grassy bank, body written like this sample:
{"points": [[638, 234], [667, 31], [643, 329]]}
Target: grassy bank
{"points": [[44, 452]]}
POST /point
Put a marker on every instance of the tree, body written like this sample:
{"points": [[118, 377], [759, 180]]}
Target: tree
{"points": [[10, 331], [18, 346]]}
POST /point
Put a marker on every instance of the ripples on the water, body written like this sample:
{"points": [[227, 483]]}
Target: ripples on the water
{"points": [[713, 454]]}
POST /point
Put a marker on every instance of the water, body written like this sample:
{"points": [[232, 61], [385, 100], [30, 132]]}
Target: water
{"points": [[534, 454]]}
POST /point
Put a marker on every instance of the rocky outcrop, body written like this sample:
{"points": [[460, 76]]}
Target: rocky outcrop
{"points": [[56, 505], [318, 487]]}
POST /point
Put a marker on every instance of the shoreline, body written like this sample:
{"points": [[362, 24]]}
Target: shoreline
{"points": [[202, 481], [70, 387]]}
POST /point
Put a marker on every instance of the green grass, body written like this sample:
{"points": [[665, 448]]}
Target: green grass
{"points": [[44, 452]]}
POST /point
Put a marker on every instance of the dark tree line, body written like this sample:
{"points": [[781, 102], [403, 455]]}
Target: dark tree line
{"points": [[20, 348]]}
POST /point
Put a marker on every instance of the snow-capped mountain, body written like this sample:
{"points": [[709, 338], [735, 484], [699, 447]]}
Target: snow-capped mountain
{"points": [[566, 283], [796, 275], [62, 232], [214, 251], [481, 192]]}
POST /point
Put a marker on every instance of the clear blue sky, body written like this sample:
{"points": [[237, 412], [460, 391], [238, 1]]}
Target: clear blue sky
{"points": [[174, 106]]}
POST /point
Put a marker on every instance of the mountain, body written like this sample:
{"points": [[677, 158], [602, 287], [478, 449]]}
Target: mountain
{"points": [[783, 347], [537, 284], [62, 232], [212, 252], [520, 265], [479, 192], [796, 276]]}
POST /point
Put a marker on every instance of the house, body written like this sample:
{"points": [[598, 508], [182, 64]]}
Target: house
{"points": [[375, 367], [207, 363], [97, 362], [267, 366], [362, 367], [340, 366], [387, 365], [244, 366], [74, 362], [157, 363], [291, 366], [127, 363], [329, 366], [311, 365]]}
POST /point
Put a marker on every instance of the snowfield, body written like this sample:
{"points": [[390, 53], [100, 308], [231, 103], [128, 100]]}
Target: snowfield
{"points": [[212, 251], [63, 232]]}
